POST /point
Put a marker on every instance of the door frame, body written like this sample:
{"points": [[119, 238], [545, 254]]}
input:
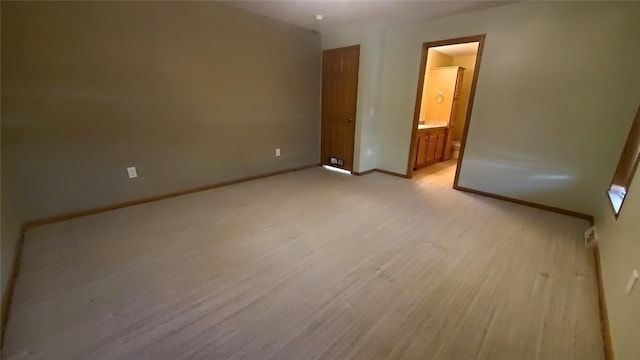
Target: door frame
{"points": [[416, 115], [355, 116]]}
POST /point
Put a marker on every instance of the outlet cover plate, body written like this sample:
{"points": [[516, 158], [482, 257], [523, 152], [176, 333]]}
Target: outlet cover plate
{"points": [[132, 172]]}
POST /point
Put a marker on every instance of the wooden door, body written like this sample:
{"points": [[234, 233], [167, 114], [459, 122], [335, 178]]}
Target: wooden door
{"points": [[339, 96]]}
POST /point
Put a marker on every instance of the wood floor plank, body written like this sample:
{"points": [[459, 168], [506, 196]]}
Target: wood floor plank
{"points": [[310, 265]]}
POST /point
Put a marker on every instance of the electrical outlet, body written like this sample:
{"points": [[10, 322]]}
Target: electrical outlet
{"points": [[632, 281], [132, 172], [277, 152], [369, 152]]}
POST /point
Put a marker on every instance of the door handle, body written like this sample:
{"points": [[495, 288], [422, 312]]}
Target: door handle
{"points": [[349, 121]]}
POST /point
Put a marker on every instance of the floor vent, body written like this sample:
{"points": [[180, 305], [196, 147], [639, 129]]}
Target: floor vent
{"points": [[591, 236], [336, 161]]}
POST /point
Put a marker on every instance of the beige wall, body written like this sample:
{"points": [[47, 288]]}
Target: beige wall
{"points": [[371, 41], [191, 93], [540, 130], [620, 255], [434, 59], [468, 63]]}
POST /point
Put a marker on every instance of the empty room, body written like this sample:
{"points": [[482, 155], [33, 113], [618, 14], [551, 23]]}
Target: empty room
{"points": [[320, 180]]}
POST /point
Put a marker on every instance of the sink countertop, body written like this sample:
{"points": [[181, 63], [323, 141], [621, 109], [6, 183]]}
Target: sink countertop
{"points": [[431, 126]]}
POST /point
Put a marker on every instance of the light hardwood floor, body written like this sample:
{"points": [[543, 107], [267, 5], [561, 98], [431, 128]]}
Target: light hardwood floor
{"points": [[310, 265]]}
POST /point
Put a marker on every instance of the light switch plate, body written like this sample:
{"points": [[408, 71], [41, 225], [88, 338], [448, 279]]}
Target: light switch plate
{"points": [[132, 172], [277, 152], [369, 152], [632, 281]]}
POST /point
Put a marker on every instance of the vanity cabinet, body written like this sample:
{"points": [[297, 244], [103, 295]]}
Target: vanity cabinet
{"points": [[430, 144]]}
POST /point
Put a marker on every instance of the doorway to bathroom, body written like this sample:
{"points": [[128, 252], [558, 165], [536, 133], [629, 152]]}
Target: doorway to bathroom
{"points": [[444, 101]]}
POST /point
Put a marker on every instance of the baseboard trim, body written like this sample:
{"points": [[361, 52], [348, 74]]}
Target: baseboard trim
{"points": [[527, 203], [11, 283], [382, 172], [73, 215], [604, 315], [363, 173], [17, 254]]}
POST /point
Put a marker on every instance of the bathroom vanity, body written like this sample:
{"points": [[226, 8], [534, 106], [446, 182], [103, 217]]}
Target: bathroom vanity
{"points": [[430, 144]]}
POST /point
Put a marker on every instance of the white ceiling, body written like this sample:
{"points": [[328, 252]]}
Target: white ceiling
{"points": [[345, 12], [458, 49]]}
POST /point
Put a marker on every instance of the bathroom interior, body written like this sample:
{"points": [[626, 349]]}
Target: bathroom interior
{"points": [[443, 108]]}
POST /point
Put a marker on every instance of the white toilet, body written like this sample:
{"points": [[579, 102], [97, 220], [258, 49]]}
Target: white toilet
{"points": [[455, 149]]}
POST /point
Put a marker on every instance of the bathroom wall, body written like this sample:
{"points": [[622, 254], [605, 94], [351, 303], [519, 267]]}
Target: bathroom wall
{"points": [[468, 62], [434, 59]]}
